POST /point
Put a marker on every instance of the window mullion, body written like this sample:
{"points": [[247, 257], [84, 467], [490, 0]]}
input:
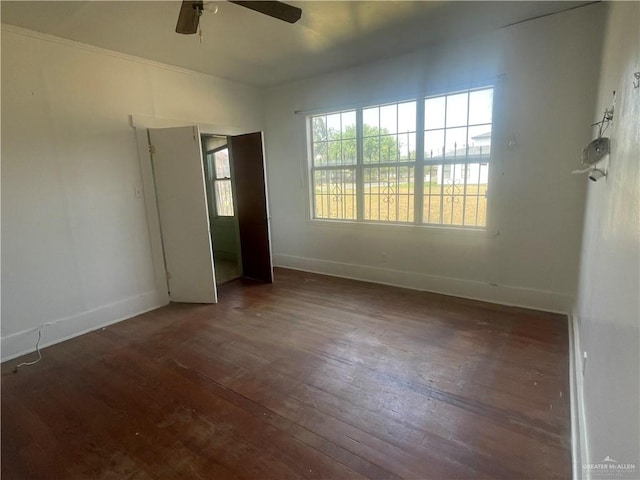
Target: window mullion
{"points": [[359, 165], [418, 188], [466, 165], [446, 98]]}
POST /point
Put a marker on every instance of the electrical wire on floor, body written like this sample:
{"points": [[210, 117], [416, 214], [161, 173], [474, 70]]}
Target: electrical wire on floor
{"points": [[28, 364]]}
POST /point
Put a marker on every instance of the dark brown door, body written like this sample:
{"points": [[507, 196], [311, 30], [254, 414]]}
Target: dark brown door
{"points": [[247, 156]]}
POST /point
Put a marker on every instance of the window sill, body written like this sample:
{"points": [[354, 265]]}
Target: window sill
{"points": [[429, 229]]}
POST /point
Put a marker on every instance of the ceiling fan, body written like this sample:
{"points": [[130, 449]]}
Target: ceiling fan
{"points": [[191, 10]]}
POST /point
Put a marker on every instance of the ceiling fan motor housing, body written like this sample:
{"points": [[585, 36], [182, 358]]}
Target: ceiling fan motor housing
{"points": [[190, 11]]}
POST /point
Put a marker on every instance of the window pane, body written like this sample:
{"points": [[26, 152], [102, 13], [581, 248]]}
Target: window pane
{"points": [[335, 194], [456, 143], [388, 119], [457, 109], [334, 139], [319, 125], [434, 113], [349, 124], [480, 106], [221, 160], [381, 143], [407, 146], [432, 188], [453, 193], [349, 152], [479, 140], [407, 117], [388, 148], [334, 126], [406, 130], [371, 121], [433, 144], [334, 153], [371, 147], [224, 198], [389, 194], [320, 154], [475, 212]]}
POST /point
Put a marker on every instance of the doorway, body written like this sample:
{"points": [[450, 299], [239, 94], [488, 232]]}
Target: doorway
{"points": [[179, 198], [222, 208]]}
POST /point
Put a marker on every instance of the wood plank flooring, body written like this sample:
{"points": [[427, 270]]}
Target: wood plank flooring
{"points": [[310, 377]]}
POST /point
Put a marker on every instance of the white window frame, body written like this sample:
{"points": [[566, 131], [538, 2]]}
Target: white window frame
{"points": [[214, 180], [419, 164]]}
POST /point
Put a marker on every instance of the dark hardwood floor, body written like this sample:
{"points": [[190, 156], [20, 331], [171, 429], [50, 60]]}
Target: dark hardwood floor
{"points": [[311, 377]]}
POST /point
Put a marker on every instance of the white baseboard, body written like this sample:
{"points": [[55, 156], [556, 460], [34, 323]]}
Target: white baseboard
{"points": [[579, 451], [61, 329], [504, 295]]}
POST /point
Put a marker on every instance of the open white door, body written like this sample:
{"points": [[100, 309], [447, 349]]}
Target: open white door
{"points": [[178, 171]]}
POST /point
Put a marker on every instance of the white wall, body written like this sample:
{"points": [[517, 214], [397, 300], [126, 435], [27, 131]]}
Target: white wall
{"points": [[75, 240], [608, 311], [530, 255]]}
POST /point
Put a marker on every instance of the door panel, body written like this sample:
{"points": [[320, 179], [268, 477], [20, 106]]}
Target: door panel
{"points": [[247, 155], [184, 218]]}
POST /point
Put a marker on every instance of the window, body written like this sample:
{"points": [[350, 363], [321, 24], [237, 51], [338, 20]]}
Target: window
{"points": [[422, 161], [220, 176], [389, 157], [334, 165], [457, 148]]}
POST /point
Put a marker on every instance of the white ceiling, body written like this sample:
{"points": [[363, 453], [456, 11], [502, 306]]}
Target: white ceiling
{"points": [[242, 45]]}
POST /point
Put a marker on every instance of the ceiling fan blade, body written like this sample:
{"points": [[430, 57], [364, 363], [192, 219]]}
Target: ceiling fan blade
{"points": [[189, 16], [279, 10]]}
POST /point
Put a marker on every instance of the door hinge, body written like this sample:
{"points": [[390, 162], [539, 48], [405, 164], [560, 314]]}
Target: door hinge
{"points": [[152, 149], [168, 275]]}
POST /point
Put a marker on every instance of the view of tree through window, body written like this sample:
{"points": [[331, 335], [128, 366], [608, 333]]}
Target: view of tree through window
{"points": [[389, 155], [390, 180]]}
